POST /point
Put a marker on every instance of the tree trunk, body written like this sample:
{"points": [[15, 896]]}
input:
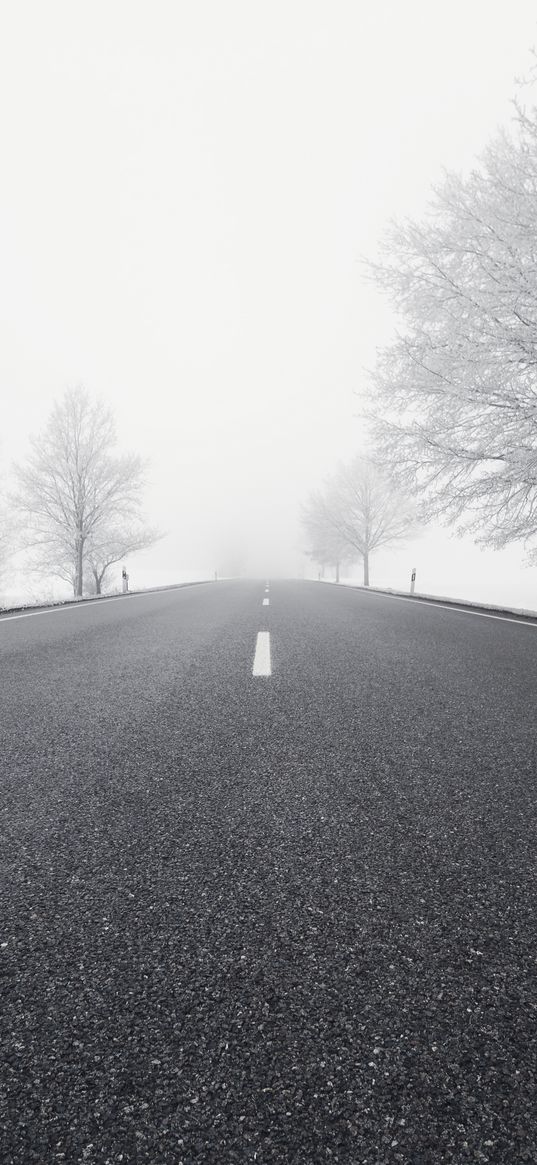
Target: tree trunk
{"points": [[79, 576], [337, 572], [366, 568], [98, 582]]}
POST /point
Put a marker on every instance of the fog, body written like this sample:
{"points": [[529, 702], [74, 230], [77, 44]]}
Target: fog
{"points": [[187, 192]]}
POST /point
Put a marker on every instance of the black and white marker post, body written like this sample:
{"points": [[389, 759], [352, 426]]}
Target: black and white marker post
{"points": [[412, 580]]}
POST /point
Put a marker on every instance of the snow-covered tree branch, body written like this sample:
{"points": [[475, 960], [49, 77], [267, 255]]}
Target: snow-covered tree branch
{"points": [[454, 398]]}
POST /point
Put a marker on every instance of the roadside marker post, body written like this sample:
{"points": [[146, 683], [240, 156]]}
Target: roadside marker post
{"points": [[412, 580]]}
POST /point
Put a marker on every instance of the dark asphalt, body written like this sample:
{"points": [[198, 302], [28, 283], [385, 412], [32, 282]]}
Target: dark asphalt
{"points": [[284, 920]]}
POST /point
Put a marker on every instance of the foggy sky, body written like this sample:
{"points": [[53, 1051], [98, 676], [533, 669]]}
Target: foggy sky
{"points": [[187, 189]]}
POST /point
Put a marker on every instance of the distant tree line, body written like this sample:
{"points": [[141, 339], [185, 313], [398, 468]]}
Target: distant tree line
{"points": [[77, 502], [356, 512]]}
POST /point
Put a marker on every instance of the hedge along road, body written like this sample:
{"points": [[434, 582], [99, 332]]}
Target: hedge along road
{"points": [[287, 916]]}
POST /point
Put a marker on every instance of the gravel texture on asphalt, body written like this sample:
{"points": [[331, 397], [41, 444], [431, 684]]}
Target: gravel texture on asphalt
{"points": [[273, 920]]}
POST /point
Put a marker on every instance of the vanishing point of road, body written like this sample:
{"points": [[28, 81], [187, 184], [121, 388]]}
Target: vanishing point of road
{"points": [[269, 884]]}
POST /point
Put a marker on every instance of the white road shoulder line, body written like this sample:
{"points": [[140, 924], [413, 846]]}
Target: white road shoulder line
{"points": [[456, 610], [69, 607], [95, 603], [266, 602], [262, 664]]}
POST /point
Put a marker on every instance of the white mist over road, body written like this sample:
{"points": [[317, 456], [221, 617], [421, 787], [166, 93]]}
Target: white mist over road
{"points": [[187, 192]]}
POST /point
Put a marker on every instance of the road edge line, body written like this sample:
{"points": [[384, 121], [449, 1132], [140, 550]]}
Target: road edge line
{"points": [[460, 606], [7, 613]]}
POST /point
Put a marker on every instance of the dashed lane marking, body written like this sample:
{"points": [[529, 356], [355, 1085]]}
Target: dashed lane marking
{"points": [[266, 602], [262, 663]]}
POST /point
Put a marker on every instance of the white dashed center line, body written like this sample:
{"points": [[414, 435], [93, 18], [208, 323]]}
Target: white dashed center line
{"points": [[266, 602], [262, 665]]}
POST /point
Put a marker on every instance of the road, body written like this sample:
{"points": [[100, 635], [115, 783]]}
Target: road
{"points": [[273, 918]]}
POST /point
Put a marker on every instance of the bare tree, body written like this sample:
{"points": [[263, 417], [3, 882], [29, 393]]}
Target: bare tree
{"points": [[360, 510], [73, 486], [454, 398], [101, 551], [326, 546], [112, 544]]}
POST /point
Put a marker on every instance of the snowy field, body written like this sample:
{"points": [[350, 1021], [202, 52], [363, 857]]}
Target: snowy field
{"points": [[454, 568]]}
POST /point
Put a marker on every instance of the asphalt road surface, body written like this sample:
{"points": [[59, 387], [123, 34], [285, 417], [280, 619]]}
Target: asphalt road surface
{"points": [[273, 918]]}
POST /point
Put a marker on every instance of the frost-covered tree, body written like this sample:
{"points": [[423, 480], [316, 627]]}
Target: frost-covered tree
{"points": [[111, 544], [325, 545], [101, 551], [74, 486], [358, 511], [454, 397]]}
